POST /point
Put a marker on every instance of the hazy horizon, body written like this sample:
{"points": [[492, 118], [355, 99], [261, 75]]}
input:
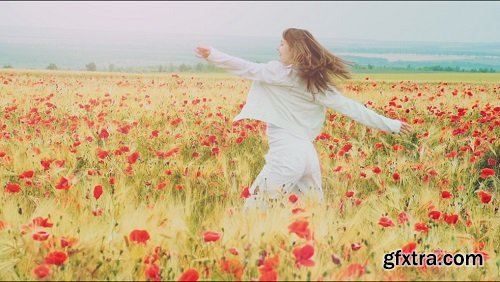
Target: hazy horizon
{"points": [[39, 47], [72, 34]]}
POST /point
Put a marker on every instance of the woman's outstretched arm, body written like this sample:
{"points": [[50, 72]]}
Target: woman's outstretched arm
{"points": [[273, 72], [358, 112]]}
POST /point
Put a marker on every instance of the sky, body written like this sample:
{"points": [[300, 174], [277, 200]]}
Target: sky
{"points": [[384, 20]]}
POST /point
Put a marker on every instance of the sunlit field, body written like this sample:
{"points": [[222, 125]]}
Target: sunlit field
{"points": [[109, 176]]}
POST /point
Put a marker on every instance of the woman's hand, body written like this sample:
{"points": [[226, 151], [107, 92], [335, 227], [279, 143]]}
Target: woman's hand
{"points": [[202, 52], [405, 128]]}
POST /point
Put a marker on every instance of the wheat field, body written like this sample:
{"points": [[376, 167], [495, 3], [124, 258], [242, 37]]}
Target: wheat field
{"points": [[111, 176]]}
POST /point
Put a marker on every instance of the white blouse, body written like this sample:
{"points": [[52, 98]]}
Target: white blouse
{"points": [[278, 96]]}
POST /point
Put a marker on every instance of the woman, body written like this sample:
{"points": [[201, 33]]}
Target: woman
{"points": [[291, 96]]}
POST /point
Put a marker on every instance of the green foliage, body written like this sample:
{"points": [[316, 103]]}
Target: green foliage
{"points": [[412, 69], [52, 66], [91, 67]]}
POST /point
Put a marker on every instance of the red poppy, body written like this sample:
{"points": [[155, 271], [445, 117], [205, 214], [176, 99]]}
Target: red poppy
{"points": [[161, 185], [408, 248], [425, 178], [68, 241], [167, 154], [347, 147], [104, 134], [176, 121], [42, 222], [234, 251], [26, 174], [56, 257], [153, 272], [125, 129], [465, 149], [450, 219], [421, 227], [232, 266], [268, 269], [487, 172], [397, 147], [300, 228], [63, 183], [396, 177], [245, 193], [293, 198], [355, 246], [485, 197], [268, 275], [349, 194], [323, 136], [133, 158], [385, 222], [303, 255], [189, 275], [97, 191], [13, 188], [297, 210], [46, 164], [124, 149], [403, 217], [492, 161], [139, 236], [210, 236], [377, 170], [40, 235], [102, 154], [42, 271], [446, 194], [434, 215], [215, 151], [451, 154]]}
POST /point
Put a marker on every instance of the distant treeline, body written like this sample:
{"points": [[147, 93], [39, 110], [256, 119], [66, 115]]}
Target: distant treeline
{"points": [[409, 68], [207, 68], [199, 67]]}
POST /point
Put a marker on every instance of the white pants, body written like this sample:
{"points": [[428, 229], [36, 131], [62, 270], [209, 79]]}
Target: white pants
{"points": [[292, 166]]}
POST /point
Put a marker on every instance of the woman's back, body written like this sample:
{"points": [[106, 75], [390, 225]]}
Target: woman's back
{"points": [[286, 104], [282, 96], [279, 96]]}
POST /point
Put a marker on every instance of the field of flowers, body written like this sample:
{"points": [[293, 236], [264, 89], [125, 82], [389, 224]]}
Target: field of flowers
{"points": [[109, 176]]}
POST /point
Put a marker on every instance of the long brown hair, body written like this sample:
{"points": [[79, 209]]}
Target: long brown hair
{"points": [[316, 65]]}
